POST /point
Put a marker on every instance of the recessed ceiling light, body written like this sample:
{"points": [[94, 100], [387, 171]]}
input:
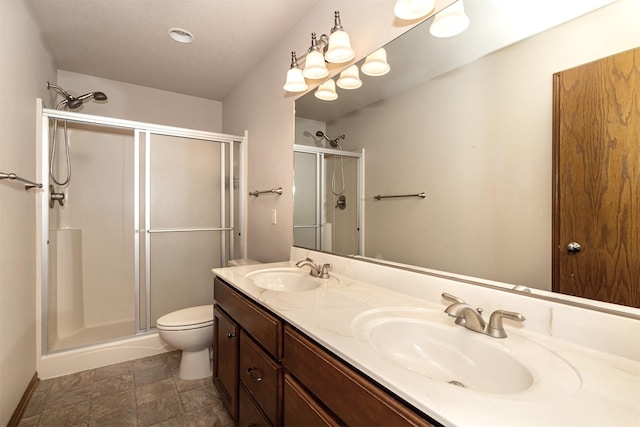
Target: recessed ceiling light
{"points": [[180, 35]]}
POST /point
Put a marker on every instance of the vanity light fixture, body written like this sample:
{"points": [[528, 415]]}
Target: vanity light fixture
{"points": [[412, 9], [180, 35], [450, 22], [350, 78], [376, 64], [335, 48], [327, 91]]}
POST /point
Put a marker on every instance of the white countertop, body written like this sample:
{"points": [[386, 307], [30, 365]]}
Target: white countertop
{"points": [[594, 388]]}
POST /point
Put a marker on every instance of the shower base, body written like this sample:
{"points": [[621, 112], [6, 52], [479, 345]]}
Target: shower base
{"points": [[92, 335]]}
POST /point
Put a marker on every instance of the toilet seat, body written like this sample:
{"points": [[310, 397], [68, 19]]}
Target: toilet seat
{"points": [[187, 318]]}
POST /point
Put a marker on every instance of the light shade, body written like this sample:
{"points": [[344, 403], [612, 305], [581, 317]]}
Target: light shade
{"points": [[339, 49], [450, 22], [314, 67], [376, 64], [295, 81], [350, 78], [327, 91], [412, 9]]}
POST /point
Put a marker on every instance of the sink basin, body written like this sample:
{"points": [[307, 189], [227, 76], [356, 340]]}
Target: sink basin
{"points": [[428, 343], [286, 279]]}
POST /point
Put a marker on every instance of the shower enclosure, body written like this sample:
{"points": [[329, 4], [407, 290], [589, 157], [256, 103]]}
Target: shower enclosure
{"points": [[327, 207], [148, 212]]}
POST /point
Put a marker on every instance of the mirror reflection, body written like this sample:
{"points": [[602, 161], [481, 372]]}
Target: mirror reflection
{"points": [[467, 121]]}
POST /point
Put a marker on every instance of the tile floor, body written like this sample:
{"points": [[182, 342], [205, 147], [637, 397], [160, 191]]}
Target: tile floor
{"points": [[142, 392]]}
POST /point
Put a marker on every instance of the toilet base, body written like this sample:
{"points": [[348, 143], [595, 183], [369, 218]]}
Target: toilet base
{"points": [[195, 365]]}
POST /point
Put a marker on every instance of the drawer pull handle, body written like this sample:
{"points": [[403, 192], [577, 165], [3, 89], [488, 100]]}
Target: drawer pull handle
{"points": [[255, 374], [231, 335]]}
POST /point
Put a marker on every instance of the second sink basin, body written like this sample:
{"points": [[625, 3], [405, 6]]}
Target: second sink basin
{"points": [[286, 279], [428, 343]]}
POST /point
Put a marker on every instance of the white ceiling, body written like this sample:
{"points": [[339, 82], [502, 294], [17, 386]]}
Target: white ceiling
{"points": [[127, 40]]}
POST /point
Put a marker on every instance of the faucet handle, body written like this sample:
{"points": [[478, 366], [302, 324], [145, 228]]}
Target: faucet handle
{"points": [[324, 271], [496, 328], [452, 298]]}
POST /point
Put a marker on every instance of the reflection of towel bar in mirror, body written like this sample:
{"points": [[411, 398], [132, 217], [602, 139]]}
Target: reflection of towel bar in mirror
{"points": [[28, 184], [273, 190], [420, 195]]}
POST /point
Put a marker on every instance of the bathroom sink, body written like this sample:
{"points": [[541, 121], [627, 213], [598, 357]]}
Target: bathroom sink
{"points": [[286, 279], [428, 343]]}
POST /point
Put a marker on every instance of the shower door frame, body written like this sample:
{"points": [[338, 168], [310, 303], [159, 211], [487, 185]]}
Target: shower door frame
{"points": [[321, 190], [140, 131]]}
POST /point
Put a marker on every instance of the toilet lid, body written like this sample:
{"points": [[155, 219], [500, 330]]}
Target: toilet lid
{"points": [[191, 316]]}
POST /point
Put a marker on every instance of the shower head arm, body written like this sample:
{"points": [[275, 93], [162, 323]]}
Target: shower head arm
{"points": [[61, 91]]}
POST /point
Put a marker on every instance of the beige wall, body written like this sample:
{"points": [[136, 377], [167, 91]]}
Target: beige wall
{"points": [[144, 104], [25, 67], [260, 105], [477, 140]]}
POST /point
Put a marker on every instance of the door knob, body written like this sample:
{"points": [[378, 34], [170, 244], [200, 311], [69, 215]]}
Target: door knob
{"points": [[574, 247]]}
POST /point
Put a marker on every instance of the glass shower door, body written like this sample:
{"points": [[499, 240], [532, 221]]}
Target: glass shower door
{"points": [[188, 225]]}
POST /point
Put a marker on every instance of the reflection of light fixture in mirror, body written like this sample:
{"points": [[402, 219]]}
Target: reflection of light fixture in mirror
{"points": [[450, 22], [295, 80], [315, 67], [327, 91], [376, 64], [350, 78], [412, 9], [339, 49], [335, 48]]}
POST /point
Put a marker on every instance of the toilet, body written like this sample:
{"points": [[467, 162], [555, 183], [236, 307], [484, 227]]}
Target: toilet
{"points": [[190, 330]]}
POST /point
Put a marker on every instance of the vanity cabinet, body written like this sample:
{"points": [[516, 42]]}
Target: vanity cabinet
{"points": [[283, 378], [256, 365]]}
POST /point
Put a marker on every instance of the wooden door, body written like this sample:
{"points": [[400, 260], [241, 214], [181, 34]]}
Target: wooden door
{"points": [[596, 147]]}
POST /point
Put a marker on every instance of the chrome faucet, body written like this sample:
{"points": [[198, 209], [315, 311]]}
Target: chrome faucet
{"points": [[316, 270], [472, 319]]}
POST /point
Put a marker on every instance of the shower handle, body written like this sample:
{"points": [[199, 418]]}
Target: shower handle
{"points": [[55, 197]]}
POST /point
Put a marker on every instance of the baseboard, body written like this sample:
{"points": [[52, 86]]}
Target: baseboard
{"points": [[22, 405]]}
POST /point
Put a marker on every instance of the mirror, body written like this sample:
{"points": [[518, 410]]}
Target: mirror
{"points": [[468, 121]]}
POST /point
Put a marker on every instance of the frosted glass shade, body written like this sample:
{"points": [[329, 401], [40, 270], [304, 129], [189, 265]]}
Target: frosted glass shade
{"points": [[327, 91], [350, 78], [450, 22], [412, 9], [295, 81], [339, 49], [376, 64], [314, 67]]}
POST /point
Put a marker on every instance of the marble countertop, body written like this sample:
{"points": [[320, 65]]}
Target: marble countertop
{"points": [[590, 388]]}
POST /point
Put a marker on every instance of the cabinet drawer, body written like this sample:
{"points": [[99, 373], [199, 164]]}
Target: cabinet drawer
{"points": [[250, 415], [261, 325], [261, 376], [331, 380], [300, 409]]}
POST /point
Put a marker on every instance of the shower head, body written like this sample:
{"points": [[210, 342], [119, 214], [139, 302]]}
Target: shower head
{"points": [[98, 96], [333, 142], [72, 102]]}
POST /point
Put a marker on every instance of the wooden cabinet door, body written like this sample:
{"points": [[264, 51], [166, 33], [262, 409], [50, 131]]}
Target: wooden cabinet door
{"points": [[226, 360], [596, 144]]}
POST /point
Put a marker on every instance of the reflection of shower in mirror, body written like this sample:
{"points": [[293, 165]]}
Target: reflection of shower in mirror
{"points": [[334, 143]]}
